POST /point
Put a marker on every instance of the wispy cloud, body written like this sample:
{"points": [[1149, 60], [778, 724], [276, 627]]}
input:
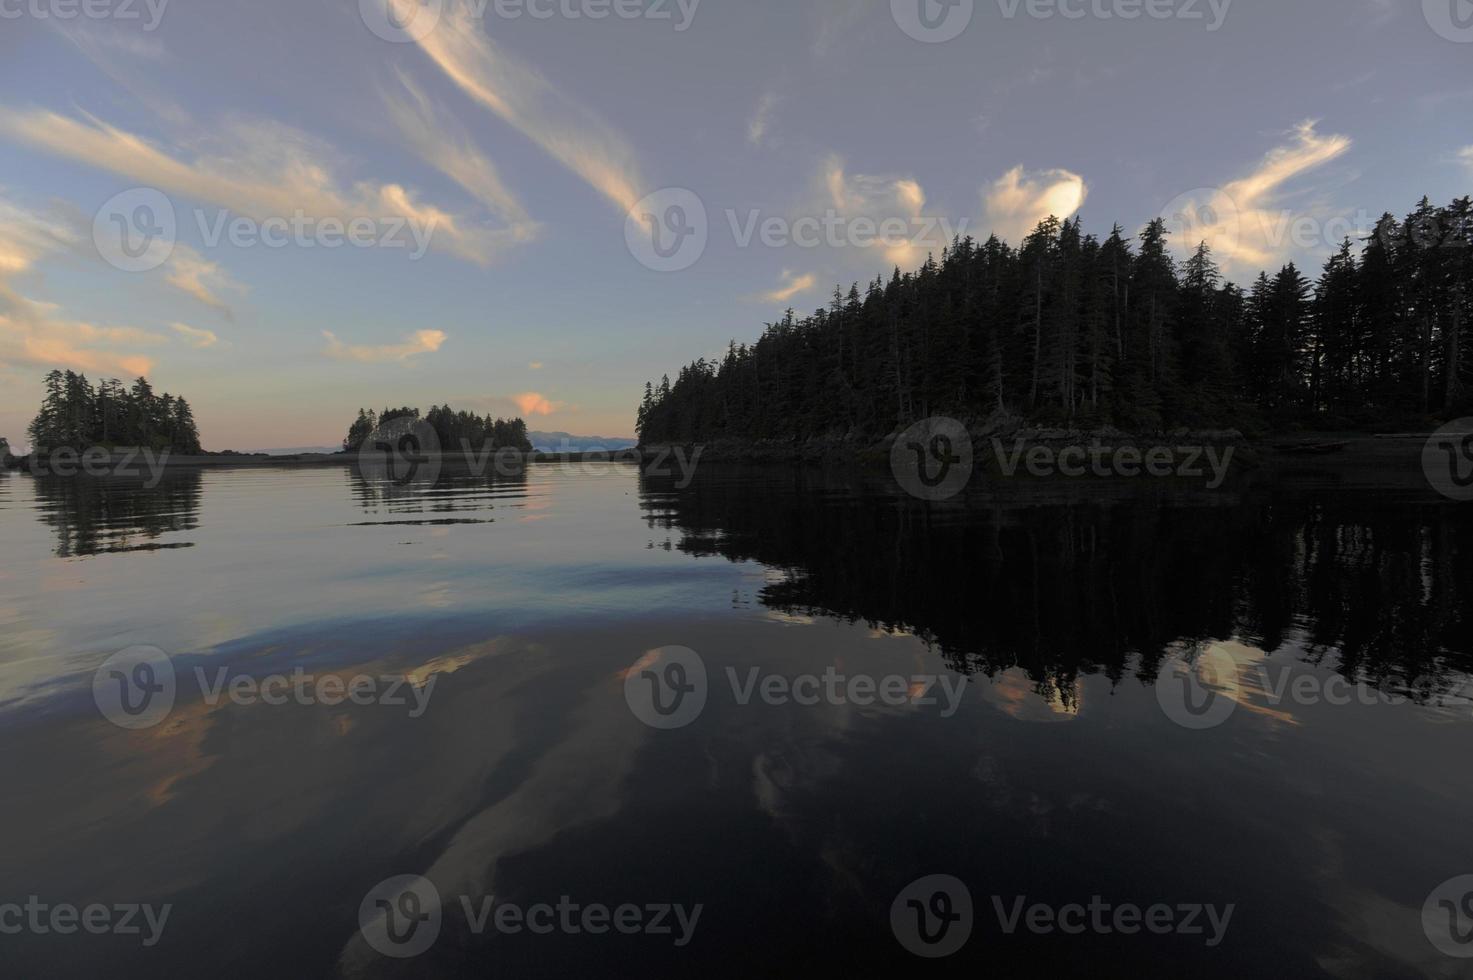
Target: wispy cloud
{"points": [[1466, 157], [881, 200], [792, 286], [194, 275], [762, 118], [444, 144], [1018, 200], [836, 20], [260, 169], [570, 133], [1240, 221], [26, 236], [423, 342], [33, 332], [196, 337]]}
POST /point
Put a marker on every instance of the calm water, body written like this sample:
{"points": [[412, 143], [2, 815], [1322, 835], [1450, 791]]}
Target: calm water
{"points": [[1327, 807]]}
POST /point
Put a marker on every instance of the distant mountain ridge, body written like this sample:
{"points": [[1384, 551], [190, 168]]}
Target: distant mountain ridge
{"points": [[563, 442]]}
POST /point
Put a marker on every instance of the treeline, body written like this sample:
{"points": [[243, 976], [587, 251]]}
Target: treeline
{"points": [[1070, 330], [75, 415], [454, 430]]}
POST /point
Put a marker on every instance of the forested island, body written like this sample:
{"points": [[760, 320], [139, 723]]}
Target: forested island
{"points": [[76, 415], [455, 431], [1070, 331]]}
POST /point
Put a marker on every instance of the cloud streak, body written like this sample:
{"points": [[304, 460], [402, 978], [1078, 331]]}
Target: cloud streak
{"points": [[571, 134], [1240, 221], [422, 342], [444, 144], [256, 169], [196, 337], [194, 275], [793, 286]]}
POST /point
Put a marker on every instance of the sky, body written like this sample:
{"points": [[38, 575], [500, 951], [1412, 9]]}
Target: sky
{"points": [[286, 210]]}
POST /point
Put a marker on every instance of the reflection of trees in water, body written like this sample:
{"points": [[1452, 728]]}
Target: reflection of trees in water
{"points": [[1061, 585], [103, 515], [456, 489]]}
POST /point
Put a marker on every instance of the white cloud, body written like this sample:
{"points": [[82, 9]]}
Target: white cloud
{"points": [[792, 286], [571, 134], [423, 342], [196, 337], [258, 169], [1241, 221], [1466, 156], [1018, 200]]}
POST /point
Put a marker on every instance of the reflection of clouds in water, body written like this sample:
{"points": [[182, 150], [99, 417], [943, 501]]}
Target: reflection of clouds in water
{"points": [[1023, 699]]}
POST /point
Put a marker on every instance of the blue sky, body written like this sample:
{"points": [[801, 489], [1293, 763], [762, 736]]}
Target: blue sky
{"points": [[523, 148]]}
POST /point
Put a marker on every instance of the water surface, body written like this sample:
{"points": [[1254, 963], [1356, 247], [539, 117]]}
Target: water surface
{"points": [[522, 602]]}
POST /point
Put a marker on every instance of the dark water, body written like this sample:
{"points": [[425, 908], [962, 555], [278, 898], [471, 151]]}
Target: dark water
{"points": [[1323, 816]]}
